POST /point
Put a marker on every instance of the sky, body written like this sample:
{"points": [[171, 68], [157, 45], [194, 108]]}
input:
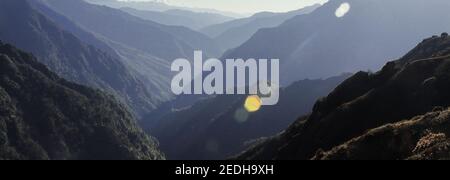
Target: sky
{"points": [[243, 6]]}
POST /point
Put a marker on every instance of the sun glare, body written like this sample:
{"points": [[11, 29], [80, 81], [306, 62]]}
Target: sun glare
{"points": [[342, 10], [252, 103]]}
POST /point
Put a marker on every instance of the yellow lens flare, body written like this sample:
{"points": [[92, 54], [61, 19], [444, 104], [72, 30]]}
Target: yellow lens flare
{"points": [[252, 103]]}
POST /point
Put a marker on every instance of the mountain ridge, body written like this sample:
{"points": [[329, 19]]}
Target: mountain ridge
{"points": [[423, 137], [233, 33], [68, 56], [188, 19], [45, 117], [320, 44], [218, 127], [162, 41], [158, 6], [411, 86]]}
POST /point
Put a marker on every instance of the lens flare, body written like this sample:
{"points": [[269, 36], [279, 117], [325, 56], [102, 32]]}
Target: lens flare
{"points": [[252, 103], [342, 10], [241, 115]]}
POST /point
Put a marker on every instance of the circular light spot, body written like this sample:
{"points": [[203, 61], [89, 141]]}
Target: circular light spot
{"points": [[342, 10], [241, 115], [252, 103]]}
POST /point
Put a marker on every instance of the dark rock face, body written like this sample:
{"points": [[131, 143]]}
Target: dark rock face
{"points": [[45, 117], [403, 89]]}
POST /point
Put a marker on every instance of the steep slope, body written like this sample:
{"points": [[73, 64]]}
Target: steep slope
{"points": [[162, 41], [219, 127], [421, 138], [152, 71], [192, 20], [45, 117], [411, 86], [68, 56], [322, 44], [71, 27], [233, 33]]}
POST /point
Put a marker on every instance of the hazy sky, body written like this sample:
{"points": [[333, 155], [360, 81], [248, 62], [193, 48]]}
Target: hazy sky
{"points": [[244, 6]]}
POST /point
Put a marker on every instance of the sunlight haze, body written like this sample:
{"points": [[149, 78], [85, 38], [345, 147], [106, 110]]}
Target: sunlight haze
{"points": [[243, 6]]}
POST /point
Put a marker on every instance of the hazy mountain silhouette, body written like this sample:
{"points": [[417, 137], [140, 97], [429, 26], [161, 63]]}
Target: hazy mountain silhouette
{"points": [[414, 85], [145, 5], [321, 45], [159, 6], [69, 57], [45, 117], [233, 33], [161, 17], [193, 20], [219, 127], [152, 71], [162, 41]]}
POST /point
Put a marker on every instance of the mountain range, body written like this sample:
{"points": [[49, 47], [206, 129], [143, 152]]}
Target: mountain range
{"points": [[322, 44], [218, 127], [177, 17], [233, 33], [161, 6], [399, 112], [161, 41], [70, 57], [152, 71], [146, 48], [90, 79], [43, 116]]}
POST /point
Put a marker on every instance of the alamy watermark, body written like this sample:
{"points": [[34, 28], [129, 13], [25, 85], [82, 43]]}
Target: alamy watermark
{"points": [[232, 76]]}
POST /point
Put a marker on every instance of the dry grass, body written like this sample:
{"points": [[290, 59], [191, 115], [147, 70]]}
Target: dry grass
{"points": [[428, 141]]}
